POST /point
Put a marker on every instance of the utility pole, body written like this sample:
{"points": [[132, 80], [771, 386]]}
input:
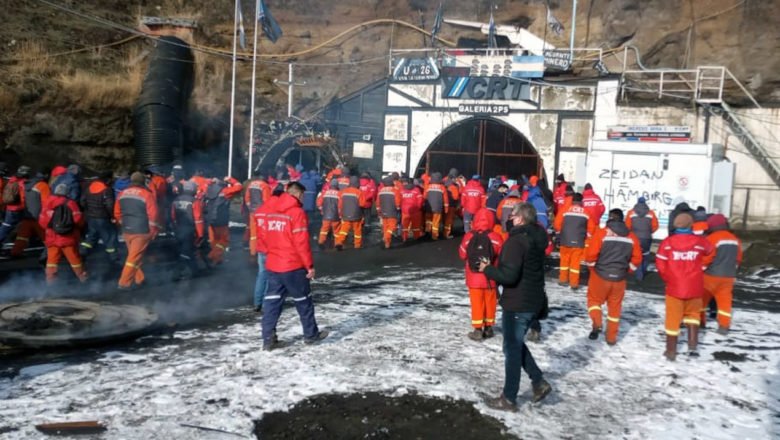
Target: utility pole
{"points": [[290, 89]]}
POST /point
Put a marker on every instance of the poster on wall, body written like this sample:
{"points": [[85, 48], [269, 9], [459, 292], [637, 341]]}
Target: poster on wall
{"points": [[394, 158], [415, 69], [396, 127], [363, 150]]}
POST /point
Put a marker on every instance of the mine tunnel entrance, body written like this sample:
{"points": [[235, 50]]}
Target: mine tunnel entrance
{"points": [[482, 146]]}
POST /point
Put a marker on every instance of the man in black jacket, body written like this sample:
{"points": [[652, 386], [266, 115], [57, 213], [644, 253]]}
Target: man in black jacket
{"points": [[520, 272]]}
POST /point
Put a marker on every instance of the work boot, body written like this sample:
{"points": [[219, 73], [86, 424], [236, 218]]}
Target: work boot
{"points": [[541, 391], [594, 334], [723, 330], [339, 247], [488, 332], [693, 339], [671, 347], [259, 309], [563, 283], [575, 288], [320, 336], [476, 334], [500, 403], [533, 336]]}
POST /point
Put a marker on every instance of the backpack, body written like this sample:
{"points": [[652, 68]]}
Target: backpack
{"points": [[62, 220], [479, 248], [12, 193]]}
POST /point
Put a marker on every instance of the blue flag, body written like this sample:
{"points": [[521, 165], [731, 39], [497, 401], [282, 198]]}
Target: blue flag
{"points": [[271, 28], [492, 31], [241, 33], [436, 25]]}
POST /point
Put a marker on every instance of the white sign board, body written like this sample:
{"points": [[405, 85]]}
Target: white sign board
{"points": [[394, 158], [396, 127], [364, 150]]}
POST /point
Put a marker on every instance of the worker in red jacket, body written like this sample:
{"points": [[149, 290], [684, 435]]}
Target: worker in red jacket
{"points": [[575, 228], [559, 193], [289, 264], [472, 200], [679, 261], [411, 208], [62, 219], [216, 209], [135, 210], [159, 187], [36, 191], [482, 292], [612, 254], [259, 217], [721, 270], [257, 192], [388, 205], [370, 192], [592, 203]]}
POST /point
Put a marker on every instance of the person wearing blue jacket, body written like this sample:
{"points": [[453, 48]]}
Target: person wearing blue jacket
{"points": [[310, 181], [121, 183], [535, 198], [71, 180]]}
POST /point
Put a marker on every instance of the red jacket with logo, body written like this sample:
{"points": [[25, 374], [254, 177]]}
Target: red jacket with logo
{"points": [[286, 235], [368, 186], [593, 205], [52, 238], [680, 262], [483, 221], [411, 201], [258, 218], [473, 197]]}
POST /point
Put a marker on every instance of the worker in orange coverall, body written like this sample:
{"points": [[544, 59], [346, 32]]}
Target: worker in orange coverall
{"points": [[721, 270], [135, 210], [216, 210], [612, 253], [351, 214], [388, 205], [575, 228]]}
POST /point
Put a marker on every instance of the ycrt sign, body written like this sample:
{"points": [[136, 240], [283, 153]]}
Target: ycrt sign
{"points": [[485, 88]]}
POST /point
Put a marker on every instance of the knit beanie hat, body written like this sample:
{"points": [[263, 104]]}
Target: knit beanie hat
{"points": [[683, 221]]}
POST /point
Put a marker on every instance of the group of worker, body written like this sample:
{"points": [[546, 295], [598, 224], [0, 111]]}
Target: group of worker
{"points": [[71, 221], [698, 261]]}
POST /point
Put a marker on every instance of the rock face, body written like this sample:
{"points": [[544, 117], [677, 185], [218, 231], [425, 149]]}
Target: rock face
{"points": [[64, 106]]}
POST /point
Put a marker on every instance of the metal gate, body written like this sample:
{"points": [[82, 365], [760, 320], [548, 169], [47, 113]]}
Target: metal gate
{"points": [[482, 146]]}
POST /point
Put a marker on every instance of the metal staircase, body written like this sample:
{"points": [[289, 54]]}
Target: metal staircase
{"points": [[761, 155]]}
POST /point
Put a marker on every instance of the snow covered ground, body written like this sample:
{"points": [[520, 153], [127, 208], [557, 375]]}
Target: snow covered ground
{"points": [[408, 332]]}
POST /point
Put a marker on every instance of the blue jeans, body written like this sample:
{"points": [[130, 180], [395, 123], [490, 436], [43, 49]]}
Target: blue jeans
{"points": [[261, 284], [467, 219], [295, 284], [100, 229], [516, 353], [644, 243], [12, 218]]}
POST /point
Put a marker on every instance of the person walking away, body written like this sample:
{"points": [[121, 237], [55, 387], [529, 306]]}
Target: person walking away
{"points": [[289, 265], [559, 193], [537, 200], [437, 204], [369, 189], [258, 218], [453, 195], [411, 207], [388, 205], [351, 215], [481, 242], [62, 219], [504, 211], [217, 215], [98, 203], [641, 220], [679, 261], [257, 191], [721, 270], [495, 197], [36, 192], [344, 179], [121, 183], [14, 201], [159, 187], [520, 271], [328, 202], [175, 180], [136, 211], [472, 200], [613, 253], [593, 204], [310, 180], [187, 218], [71, 180], [575, 228]]}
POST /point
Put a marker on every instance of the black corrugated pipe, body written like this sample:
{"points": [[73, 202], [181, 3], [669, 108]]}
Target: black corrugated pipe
{"points": [[158, 113]]}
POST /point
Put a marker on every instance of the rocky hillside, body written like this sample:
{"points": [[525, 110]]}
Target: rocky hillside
{"points": [[68, 82]]}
